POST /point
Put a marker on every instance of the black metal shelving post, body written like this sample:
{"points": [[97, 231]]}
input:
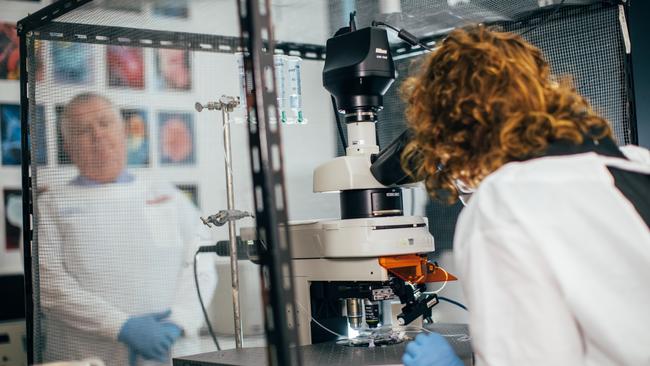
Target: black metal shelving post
{"points": [[268, 183], [25, 162]]}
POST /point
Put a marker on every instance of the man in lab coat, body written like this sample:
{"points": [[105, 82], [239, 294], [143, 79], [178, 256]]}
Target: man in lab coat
{"points": [[115, 251], [553, 248]]}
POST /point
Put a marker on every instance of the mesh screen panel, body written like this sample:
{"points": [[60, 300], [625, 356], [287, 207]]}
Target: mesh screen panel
{"points": [[426, 18], [587, 45], [104, 253]]}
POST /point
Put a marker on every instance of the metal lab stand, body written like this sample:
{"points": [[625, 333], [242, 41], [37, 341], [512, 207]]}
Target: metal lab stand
{"points": [[226, 105]]}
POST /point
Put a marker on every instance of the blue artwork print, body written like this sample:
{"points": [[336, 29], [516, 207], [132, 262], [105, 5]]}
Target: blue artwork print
{"points": [[137, 136], [72, 62], [171, 9], [13, 206], [11, 145], [10, 124]]}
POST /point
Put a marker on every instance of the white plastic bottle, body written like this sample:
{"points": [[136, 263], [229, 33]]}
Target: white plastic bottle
{"points": [[242, 80], [294, 88], [280, 65]]}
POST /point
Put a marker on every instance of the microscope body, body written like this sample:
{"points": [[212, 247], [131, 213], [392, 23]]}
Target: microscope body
{"points": [[350, 273]]}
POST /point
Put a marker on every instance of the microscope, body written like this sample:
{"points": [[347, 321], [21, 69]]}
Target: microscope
{"points": [[348, 271]]}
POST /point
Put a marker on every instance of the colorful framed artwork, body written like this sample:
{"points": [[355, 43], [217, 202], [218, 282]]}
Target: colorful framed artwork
{"points": [[9, 52], [10, 127], [137, 135], [13, 205], [10, 134], [171, 9], [176, 138], [73, 63], [123, 5], [173, 69], [125, 67]]}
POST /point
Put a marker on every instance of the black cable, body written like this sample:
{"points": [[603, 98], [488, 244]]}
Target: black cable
{"points": [[404, 35], [198, 292], [557, 8], [376, 23], [338, 125], [453, 302]]}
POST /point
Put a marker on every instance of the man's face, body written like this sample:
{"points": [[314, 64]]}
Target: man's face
{"points": [[96, 140]]}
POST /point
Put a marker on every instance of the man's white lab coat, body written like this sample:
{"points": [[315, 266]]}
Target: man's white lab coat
{"points": [[109, 252], [555, 264]]}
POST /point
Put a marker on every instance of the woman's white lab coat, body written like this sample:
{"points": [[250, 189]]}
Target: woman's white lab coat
{"points": [[555, 264], [109, 252]]}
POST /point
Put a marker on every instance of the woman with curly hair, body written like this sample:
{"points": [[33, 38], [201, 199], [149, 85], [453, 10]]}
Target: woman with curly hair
{"points": [[554, 247]]}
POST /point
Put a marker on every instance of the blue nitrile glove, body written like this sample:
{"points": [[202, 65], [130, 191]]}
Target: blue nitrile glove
{"points": [[149, 335], [430, 350]]}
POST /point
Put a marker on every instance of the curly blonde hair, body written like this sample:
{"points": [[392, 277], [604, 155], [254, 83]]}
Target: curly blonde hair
{"points": [[482, 99]]}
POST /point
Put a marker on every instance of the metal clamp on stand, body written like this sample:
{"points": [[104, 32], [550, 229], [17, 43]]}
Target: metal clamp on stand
{"points": [[224, 216], [225, 104]]}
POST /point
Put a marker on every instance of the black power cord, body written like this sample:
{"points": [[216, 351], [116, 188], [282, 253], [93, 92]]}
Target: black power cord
{"points": [[404, 35], [205, 249], [454, 302]]}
